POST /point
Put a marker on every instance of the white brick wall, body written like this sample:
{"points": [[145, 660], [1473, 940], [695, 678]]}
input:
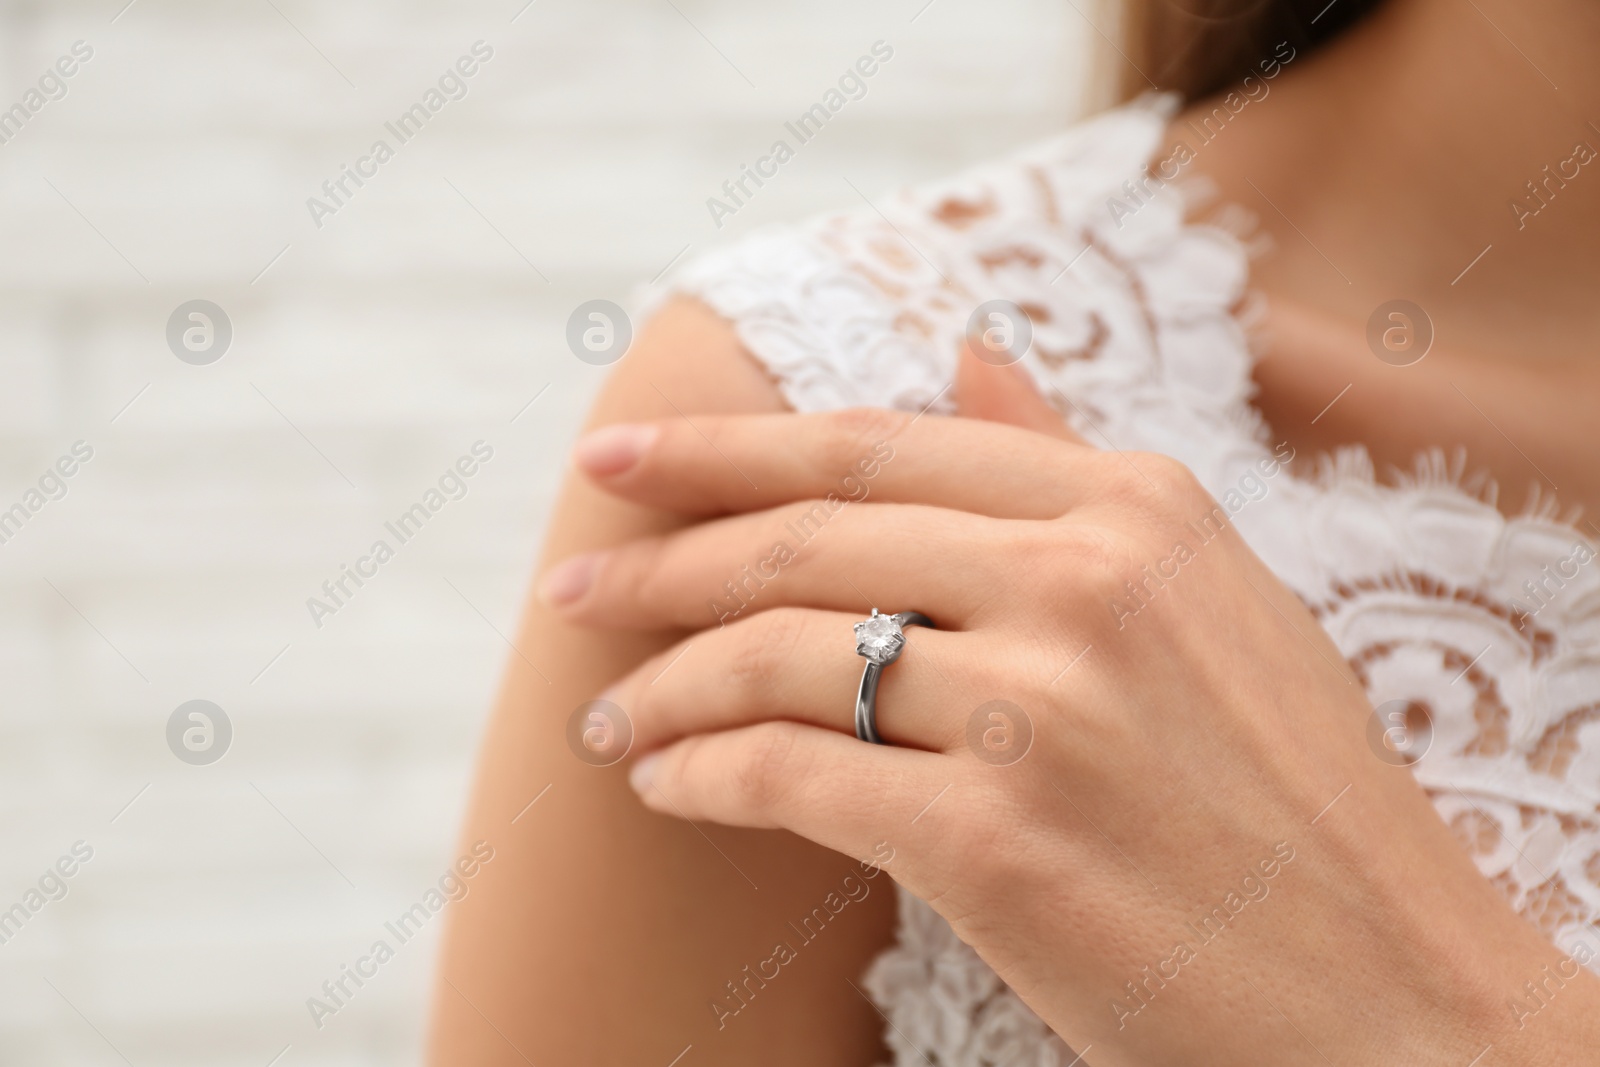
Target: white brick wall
{"points": [[393, 337]]}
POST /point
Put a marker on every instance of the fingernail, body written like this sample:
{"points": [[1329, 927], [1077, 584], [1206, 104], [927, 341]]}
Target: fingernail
{"points": [[568, 581], [613, 449], [643, 772]]}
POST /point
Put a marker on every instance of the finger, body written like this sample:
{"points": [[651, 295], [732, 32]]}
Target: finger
{"points": [[743, 463], [1005, 394], [859, 799], [895, 557], [797, 665]]}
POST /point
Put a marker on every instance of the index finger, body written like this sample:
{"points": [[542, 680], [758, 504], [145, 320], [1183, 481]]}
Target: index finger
{"points": [[726, 464]]}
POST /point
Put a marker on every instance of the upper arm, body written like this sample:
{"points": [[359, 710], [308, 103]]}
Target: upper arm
{"points": [[601, 933]]}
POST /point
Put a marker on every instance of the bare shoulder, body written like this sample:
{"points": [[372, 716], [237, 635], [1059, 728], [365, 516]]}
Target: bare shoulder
{"points": [[686, 361], [690, 359], [600, 932]]}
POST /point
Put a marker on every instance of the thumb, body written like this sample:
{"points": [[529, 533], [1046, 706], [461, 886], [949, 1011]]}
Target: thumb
{"points": [[1005, 394]]}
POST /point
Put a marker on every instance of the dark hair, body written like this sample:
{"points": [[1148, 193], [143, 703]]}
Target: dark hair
{"points": [[1195, 47]]}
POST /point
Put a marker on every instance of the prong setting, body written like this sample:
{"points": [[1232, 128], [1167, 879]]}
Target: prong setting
{"points": [[880, 639]]}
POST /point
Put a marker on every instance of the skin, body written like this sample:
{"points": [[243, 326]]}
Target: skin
{"points": [[1396, 153], [603, 928], [601, 931]]}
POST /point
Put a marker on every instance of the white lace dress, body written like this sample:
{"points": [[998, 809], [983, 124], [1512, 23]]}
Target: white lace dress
{"points": [[1487, 626]]}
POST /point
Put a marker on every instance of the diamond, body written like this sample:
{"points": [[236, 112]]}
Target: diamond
{"points": [[879, 638]]}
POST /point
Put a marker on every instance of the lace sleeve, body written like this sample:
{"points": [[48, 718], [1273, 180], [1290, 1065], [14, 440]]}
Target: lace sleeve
{"points": [[1135, 337]]}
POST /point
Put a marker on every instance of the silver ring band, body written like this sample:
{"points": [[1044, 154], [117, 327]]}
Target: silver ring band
{"points": [[879, 640]]}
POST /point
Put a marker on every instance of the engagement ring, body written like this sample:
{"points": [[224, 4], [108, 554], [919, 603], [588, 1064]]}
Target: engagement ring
{"points": [[879, 640]]}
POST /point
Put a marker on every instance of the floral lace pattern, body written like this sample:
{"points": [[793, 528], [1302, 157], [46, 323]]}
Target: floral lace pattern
{"points": [[1479, 634]]}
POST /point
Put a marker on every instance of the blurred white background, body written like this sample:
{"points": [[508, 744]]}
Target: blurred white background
{"points": [[367, 355]]}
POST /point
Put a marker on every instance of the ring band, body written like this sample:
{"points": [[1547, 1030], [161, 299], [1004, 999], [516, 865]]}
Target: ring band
{"points": [[879, 640]]}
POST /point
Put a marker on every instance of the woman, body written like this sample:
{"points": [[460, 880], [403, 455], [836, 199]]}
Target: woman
{"points": [[1218, 748]]}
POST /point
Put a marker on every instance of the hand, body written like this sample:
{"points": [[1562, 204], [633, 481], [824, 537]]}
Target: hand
{"points": [[1195, 859]]}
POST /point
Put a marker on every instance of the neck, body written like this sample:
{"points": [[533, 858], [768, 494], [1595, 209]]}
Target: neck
{"points": [[1387, 163]]}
